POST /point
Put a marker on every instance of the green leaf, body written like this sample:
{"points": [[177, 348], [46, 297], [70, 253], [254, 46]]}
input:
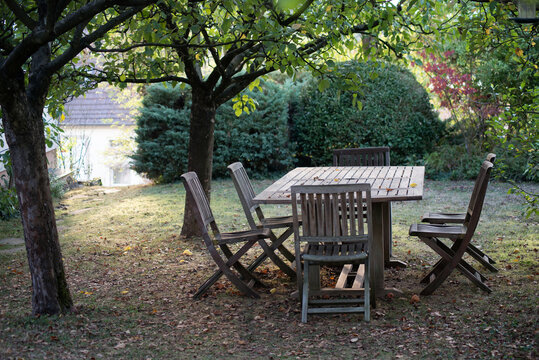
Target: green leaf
{"points": [[323, 84]]}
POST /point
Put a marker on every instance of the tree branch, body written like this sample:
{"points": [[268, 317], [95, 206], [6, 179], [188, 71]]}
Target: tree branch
{"points": [[21, 14], [78, 45], [134, 80], [238, 84], [297, 14], [41, 35]]}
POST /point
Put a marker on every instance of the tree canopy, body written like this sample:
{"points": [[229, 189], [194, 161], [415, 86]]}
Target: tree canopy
{"points": [[221, 47]]}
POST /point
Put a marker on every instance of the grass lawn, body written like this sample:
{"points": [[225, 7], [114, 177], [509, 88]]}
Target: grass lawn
{"points": [[132, 285]]}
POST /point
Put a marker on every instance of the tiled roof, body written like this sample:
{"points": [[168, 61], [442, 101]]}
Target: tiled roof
{"points": [[97, 107]]}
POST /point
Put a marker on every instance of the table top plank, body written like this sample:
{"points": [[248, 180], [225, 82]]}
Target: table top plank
{"points": [[389, 183]]}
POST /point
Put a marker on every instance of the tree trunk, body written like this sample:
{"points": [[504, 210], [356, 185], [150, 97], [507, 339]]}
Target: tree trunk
{"points": [[24, 130], [201, 136]]}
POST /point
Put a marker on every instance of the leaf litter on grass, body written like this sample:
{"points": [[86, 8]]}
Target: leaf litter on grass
{"points": [[132, 282]]}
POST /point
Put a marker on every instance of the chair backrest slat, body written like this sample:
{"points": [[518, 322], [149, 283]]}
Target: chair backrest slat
{"points": [[490, 158], [370, 156], [201, 210], [333, 213], [476, 204], [245, 191]]}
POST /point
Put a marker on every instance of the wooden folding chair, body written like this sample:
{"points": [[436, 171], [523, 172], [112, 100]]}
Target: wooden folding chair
{"points": [[246, 194], [336, 229], [461, 235], [243, 278], [461, 218], [370, 156]]}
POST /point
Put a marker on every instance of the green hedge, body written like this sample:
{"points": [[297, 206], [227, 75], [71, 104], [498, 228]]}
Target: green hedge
{"points": [[259, 139], [396, 112]]}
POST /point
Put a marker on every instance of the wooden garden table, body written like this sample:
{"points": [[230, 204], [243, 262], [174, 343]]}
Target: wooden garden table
{"points": [[389, 183]]}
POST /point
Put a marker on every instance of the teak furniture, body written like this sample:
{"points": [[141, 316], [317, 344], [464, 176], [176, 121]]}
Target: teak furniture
{"points": [[336, 230], [246, 194], [368, 156], [460, 235], [226, 260], [461, 218], [388, 183]]}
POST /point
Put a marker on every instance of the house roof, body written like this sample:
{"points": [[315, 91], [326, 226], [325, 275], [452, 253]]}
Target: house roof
{"points": [[100, 106]]}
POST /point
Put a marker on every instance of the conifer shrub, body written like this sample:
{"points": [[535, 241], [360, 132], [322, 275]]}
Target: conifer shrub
{"points": [[259, 139]]}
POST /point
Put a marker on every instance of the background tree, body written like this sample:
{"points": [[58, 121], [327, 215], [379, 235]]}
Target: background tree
{"points": [[258, 138], [219, 47], [39, 40], [499, 58]]}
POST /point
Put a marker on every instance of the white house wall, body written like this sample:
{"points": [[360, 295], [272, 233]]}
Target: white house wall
{"points": [[96, 152]]}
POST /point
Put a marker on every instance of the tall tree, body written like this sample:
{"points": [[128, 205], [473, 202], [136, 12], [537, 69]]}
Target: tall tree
{"points": [[220, 47], [37, 40]]}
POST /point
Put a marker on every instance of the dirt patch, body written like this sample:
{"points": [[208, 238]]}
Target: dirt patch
{"points": [[12, 241], [11, 245], [79, 211]]}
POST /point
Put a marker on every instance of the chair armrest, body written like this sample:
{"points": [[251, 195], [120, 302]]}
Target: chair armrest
{"points": [[244, 236], [444, 218], [437, 230]]}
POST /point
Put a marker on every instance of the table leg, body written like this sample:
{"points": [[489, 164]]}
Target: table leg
{"points": [[380, 236], [388, 237]]}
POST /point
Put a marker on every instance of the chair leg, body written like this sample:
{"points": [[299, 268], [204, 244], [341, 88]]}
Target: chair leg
{"points": [[474, 275], [481, 257], [435, 271], [270, 250], [444, 267], [442, 272], [276, 259], [305, 293], [233, 260], [465, 268], [224, 270], [367, 295], [280, 240]]}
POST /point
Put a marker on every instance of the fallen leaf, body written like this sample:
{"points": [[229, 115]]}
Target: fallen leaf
{"points": [[414, 299], [413, 185], [187, 253], [125, 292]]}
